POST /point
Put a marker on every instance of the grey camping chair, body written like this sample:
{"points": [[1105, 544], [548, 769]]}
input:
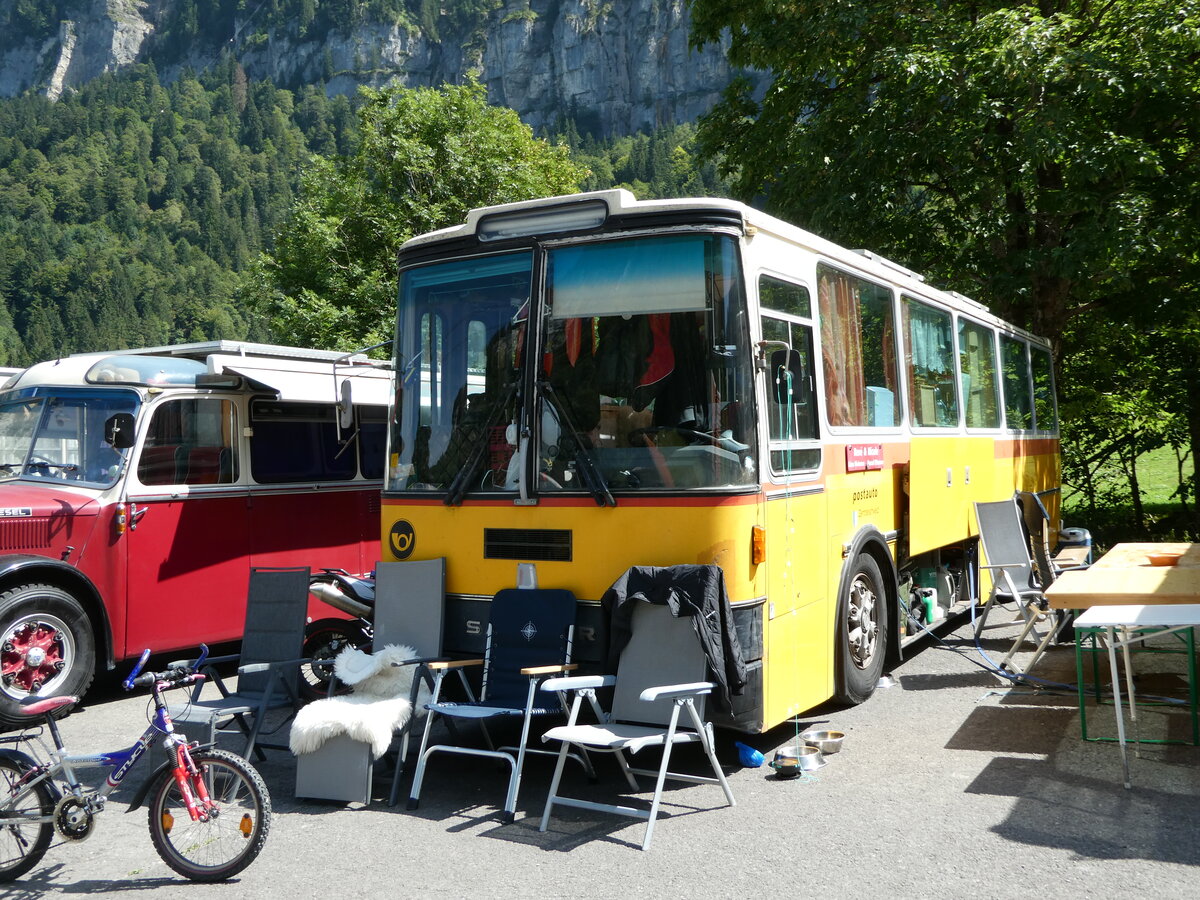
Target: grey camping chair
{"points": [[1050, 562], [268, 664], [528, 640], [1046, 562], [1015, 579], [408, 612], [410, 599], [662, 674]]}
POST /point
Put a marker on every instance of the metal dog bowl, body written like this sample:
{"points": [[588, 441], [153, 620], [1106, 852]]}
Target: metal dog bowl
{"points": [[792, 761], [825, 741]]}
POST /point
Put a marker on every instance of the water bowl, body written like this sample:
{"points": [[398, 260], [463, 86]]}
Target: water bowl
{"points": [[790, 762], [825, 741]]}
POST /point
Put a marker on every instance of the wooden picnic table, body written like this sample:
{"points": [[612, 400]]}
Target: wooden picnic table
{"points": [[1124, 576]]}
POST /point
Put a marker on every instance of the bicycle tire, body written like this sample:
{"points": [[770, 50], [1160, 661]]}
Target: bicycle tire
{"points": [[22, 846], [227, 842]]}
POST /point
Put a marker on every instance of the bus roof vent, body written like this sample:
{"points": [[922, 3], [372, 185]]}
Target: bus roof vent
{"points": [[530, 544], [894, 266]]}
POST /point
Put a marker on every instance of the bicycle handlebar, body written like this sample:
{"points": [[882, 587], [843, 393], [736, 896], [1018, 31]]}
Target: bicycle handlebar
{"points": [[177, 675], [129, 682]]}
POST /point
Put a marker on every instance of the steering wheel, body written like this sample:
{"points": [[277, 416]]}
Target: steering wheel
{"points": [[678, 429]]}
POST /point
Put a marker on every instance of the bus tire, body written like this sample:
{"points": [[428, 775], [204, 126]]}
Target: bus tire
{"points": [[861, 633], [46, 647]]}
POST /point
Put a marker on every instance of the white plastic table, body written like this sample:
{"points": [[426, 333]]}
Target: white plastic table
{"points": [[1163, 619]]}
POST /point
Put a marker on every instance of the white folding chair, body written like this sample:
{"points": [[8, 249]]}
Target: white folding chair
{"points": [[661, 675]]}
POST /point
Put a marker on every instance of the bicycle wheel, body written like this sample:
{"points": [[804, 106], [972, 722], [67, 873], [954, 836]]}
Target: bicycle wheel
{"points": [[233, 834], [22, 845]]}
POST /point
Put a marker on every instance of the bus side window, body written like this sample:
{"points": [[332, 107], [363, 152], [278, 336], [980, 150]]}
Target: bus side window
{"points": [[929, 351], [977, 356], [298, 442], [1018, 399], [190, 441], [858, 345], [372, 440], [791, 403], [1045, 415]]}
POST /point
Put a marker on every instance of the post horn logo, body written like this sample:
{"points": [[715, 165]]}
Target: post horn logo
{"points": [[402, 539]]}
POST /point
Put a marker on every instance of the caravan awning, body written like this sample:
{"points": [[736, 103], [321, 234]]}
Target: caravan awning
{"points": [[368, 386]]}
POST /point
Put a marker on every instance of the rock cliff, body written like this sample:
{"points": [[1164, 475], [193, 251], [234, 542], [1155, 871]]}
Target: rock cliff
{"points": [[615, 67]]}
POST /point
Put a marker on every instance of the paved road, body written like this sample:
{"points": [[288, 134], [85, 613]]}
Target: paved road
{"points": [[949, 785]]}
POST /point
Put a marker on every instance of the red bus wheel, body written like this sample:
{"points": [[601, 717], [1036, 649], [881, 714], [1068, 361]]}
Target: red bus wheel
{"points": [[46, 647]]}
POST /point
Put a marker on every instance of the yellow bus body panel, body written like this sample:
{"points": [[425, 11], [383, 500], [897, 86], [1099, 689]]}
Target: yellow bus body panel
{"points": [[605, 541], [798, 620]]}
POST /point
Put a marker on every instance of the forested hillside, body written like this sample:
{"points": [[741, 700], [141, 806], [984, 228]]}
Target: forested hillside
{"points": [[130, 210]]}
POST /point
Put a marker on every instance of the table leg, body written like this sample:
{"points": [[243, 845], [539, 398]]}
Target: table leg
{"points": [[1127, 653], [1116, 689]]}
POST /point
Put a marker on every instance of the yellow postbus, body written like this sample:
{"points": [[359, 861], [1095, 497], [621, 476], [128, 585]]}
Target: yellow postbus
{"points": [[592, 382]]}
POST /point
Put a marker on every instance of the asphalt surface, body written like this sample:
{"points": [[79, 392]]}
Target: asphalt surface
{"points": [[950, 784]]}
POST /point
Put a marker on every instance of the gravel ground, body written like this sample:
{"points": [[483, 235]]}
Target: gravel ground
{"points": [[950, 784]]}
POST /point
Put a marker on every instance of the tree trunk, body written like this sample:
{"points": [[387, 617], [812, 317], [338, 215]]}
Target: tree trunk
{"points": [[1191, 376]]}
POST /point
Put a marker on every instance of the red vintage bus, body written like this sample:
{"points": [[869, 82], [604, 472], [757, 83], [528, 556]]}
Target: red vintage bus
{"points": [[137, 488]]}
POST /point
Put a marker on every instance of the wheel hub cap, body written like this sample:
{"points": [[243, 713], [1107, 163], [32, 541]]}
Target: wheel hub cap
{"points": [[32, 654]]}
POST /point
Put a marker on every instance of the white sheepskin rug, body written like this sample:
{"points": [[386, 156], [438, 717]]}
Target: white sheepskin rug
{"points": [[377, 708]]}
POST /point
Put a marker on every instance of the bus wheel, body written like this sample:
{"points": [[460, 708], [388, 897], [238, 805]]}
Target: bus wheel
{"points": [[46, 647], [862, 626]]}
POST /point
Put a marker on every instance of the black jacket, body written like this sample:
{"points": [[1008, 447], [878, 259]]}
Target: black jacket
{"points": [[690, 590]]}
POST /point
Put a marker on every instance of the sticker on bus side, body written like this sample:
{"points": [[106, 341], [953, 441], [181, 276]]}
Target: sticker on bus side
{"points": [[402, 539], [864, 457]]}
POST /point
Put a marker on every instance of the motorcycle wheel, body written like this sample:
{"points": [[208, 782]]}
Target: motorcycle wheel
{"points": [[323, 641]]}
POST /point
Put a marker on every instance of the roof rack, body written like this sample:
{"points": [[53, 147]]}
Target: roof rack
{"points": [[203, 349], [884, 261]]}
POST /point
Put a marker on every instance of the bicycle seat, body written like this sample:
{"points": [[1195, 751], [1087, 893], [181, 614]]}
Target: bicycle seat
{"points": [[39, 706]]}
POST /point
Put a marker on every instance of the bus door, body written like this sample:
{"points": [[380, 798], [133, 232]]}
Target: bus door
{"points": [[188, 533]]}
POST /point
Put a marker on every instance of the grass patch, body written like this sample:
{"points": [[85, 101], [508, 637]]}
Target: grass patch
{"points": [[1114, 521]]}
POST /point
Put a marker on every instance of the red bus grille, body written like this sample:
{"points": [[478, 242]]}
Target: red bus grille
{"points": [[24, 534]]}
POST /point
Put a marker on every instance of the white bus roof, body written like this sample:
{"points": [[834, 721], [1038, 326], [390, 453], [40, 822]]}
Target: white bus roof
{"points": [[204, 349], [571, 211], [292, 373]]}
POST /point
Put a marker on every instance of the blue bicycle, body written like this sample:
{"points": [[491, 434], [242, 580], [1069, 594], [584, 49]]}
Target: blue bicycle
{"points": [[209, 809]]}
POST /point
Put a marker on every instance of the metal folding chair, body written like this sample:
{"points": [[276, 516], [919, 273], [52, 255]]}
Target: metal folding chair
{"points": [[661, 675], [1015, 579], [268, 664]]}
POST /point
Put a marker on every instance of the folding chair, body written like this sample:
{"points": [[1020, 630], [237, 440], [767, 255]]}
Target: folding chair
{"points": [[528, 640], [409, 610], [269, 661], [1014, 577], [1047, 564], [661, 673]]}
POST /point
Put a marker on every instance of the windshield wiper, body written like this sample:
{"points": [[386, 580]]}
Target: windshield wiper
{"points": [[458, 487], [46, 464], [585, 463]]}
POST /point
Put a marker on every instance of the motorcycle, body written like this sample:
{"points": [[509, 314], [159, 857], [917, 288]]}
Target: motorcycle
{"points": [[325, 638]]}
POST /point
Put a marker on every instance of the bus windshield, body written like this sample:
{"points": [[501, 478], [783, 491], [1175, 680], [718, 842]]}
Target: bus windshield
{"points": [[638, 379], [60, 437]]}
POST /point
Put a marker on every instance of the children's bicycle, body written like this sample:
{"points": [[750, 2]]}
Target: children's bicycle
{"points": [[209, 809]]}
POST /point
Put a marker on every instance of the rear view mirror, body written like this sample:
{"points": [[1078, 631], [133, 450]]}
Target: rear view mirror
{"points": [[785, 363], [118, 431], [345, 406]]}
